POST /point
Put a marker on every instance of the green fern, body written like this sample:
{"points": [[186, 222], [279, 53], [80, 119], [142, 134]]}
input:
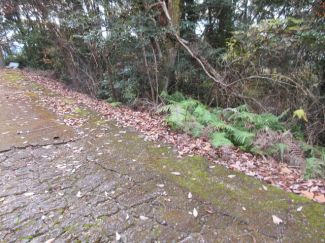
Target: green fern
{"points": [[114, 104], [314, 168], [176, 97], [281, 147], [270, 150], [243, 116], [272, 122], [283, 114], [166, 108], [257, 150], [219, 139], [242, 108], [192, 127], [189, 104], [203, 115], [177, 117], [223, 126], [173, 98], [242, 137]]}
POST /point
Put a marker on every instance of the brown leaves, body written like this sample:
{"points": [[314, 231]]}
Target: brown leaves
{"points": [[285, 170], [209, 211], [307, 194], [320, 198]]}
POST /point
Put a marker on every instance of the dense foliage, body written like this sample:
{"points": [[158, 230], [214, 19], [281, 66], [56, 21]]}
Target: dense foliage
{"points": [[266, 55], [264, 134]]}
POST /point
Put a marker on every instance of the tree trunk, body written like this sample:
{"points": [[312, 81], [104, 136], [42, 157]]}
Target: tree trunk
{"points": [[170, 47], [2, 60]]}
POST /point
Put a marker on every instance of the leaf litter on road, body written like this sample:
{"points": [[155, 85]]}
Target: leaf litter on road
{"points": [[154, 128]]}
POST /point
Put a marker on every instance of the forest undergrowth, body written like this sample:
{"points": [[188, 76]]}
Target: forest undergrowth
{"points": [[268, 147]]}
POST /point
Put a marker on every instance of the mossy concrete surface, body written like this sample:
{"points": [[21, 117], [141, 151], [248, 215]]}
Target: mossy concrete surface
{"points": [[23, 121], [112, 186]]}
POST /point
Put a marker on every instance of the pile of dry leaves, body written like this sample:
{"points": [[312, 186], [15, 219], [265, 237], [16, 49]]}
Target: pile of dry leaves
{"points": [[154, 129]]}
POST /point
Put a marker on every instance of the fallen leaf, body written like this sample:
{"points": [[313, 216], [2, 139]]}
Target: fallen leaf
{"points": [[209, 211], [118, 236], [231, 176], [127, 217], [143, 218], [79, 194], [299, 209], [57, 187], [207, 148], [285, 171], [320, 198], [314, 189], [167, 199], [265, 188], [176, 173], [189, 195], [307, 194], [276, 220], [50, 240], [195, 213]]}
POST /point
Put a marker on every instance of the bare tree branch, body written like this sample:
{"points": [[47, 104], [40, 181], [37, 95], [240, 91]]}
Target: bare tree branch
{"points": [[206, 66]]}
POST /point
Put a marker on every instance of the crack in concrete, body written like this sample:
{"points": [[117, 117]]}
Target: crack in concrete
{"points": [[12, 148]]}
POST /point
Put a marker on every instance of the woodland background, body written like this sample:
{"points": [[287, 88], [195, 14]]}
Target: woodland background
{"points": [[232, 71]]}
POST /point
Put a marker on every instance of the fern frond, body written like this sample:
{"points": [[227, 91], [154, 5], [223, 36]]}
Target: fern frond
{"points": [[223, 126], [176, 97], [270, 150], [203, 115], [257, 150], [283, 114], [219, 139], [177, 116], [243, 116], [193, 127], [242, 137], [272, 122], [166, 108], [314, 168], [281, 147], [164, 94], [242, 108], [189, 104]]}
